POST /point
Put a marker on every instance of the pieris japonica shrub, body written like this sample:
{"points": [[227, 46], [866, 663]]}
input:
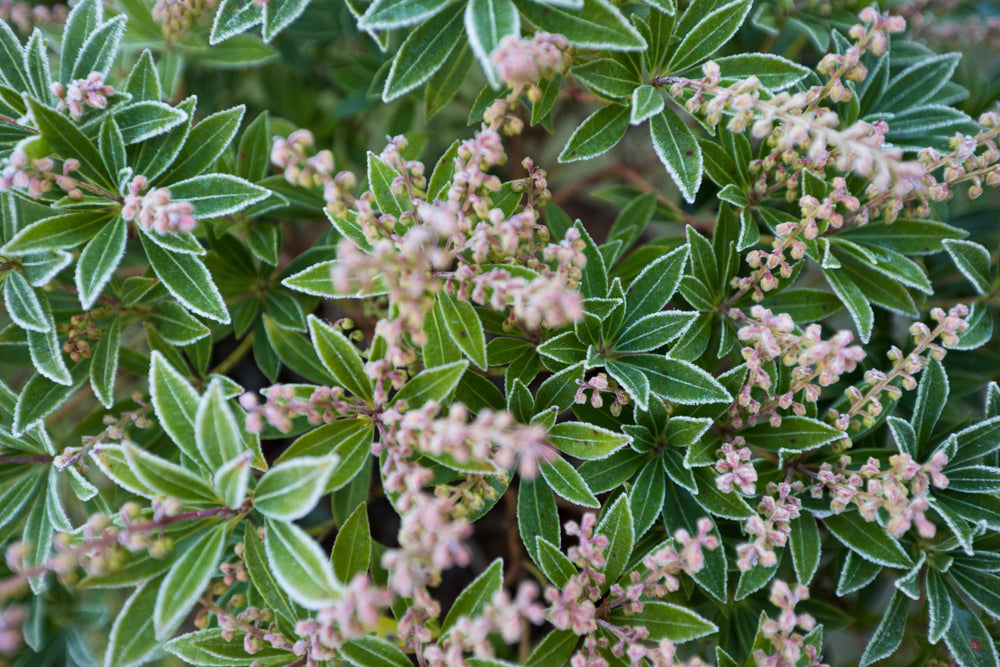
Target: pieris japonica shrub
{"points": [[499, 332]]}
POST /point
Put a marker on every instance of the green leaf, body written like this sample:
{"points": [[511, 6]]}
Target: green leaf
{"points": [[586, 441], [176, 325], [217, 434], [133, 639], [372, 651], [918, 82], [646, 103], [973, 260], [232, 480], [426, 48], [554, 649], [472, 601], [216, 646], [855, 301], [291, 489], [654, 330], [144, 120], [796, 435], [205, 143], [678, 150], [296, 353], [155, 155], [187, 578], [975, 441], [41, 396], [341, 358], [982, 588], [727, 505], [607, 77], [537, 515], [349, 439], [431, 384], [938, 606], [465, 328], [217, 195], [99, 50], [567, 482], [83, 19], [60, 231], [804, 543], [187, 279], [486, 23], [99, 260], [617, 524], [856, 574], [352, 549], [390, 14], [300, 566], [709, 34], [665, 621], [932, 396], [867, 539], [632, 380], [143, 82], [24, 306], [279, 14], [264, 582], [554, 563], [680, 381], [595, 25], [907, 236], [756, 577], [654, 286], [647, 496], [774, 72], [804, 305], [36, 64], [175, 403], [234, 17], [970, 643], [165, 478], [889, 633], [597, 134], [380, 178]]}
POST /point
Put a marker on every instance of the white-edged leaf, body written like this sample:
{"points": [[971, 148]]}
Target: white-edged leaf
{"points": [[291, 489], [300, 566]]}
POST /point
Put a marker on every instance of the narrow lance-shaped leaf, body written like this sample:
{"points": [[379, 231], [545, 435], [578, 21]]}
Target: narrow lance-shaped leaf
{"points": [[300, 566], [187, 279], [216, 431], [678, 150], [597, 134], [99, 260], [291, 489], [187, 579]]}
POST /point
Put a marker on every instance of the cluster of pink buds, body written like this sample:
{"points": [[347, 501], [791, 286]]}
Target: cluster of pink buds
{"points": [[37, 176], [521, 62], [282, 405], [573, 606], [300, 168], [156, 210], [26, 15], [787, 645], [771, 526], [599, 384], [489, 436], [966, 162], [501, 616], [902, 490], [90, 92], [11, 619], [867, 406], [734, 468], [177, 17], [817, 363], [356, 614]]}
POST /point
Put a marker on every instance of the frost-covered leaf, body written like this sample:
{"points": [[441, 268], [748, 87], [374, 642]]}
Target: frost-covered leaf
{"points": [[678, 150]]}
